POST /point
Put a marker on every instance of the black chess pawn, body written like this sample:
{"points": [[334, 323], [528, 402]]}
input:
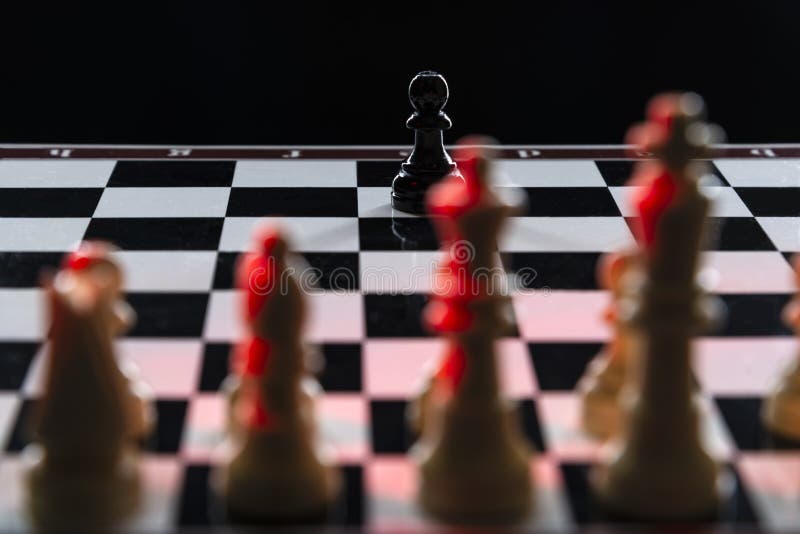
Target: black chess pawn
{"points": [[429, 161]]}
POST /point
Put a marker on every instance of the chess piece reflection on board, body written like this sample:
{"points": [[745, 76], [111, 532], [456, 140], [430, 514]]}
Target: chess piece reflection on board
{"points": [[473, 460], [781, 410], [660, 469], [94, 411], [275, 470]]}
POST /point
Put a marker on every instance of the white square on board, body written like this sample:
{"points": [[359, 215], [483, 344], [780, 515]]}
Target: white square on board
{"points": [[167, 271], [396, 272], [344, 426], [143, 202], [565, 234], [749, 271], [755, 172], [397, 368], [55, 173], [204, 428], [332, 317], [22, 314], [547, 173], [742, 367], [41, 234], [377, 202], [725, 202], [772, 479], [561, 315], [783, 231], [317, 173], [313, 234]]}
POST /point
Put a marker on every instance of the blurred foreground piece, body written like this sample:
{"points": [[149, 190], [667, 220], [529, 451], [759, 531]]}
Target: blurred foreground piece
{"points": [[603, 383], [473, 461], [429, 161], [93, 411], [274, 471], [781, 411], [661, 470]]}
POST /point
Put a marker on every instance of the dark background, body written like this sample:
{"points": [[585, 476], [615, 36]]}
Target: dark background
{"points": [[296, 73]]}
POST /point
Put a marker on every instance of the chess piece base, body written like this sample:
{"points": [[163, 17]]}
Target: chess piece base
{"points": [[478, 471], [683, 487], [275, 479], [600, 388], [409, 188], [781, 413], [75, 498]]}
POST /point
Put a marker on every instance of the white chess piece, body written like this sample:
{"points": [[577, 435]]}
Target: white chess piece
{"points": [[474, 464], [602, 383], [660, 469], [781, 411], [83, 467], [276, 470]]}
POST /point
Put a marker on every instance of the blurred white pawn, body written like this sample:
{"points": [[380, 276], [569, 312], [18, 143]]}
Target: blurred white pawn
{"points": [[83, 468]]}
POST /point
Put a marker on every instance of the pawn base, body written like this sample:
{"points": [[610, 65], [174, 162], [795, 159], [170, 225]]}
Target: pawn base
{"points": [[478, 471], [600, 388], [601, 415], [410, 188], [689, 491], [66, 499], [284, 483], [781, 412]]}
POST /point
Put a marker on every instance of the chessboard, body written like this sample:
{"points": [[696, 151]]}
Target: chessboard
{"points": [[180, 216]]}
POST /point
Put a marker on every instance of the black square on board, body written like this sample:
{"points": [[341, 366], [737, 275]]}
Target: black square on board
{"points": [[15, 360], [395, 315], [329, 270], [617, 173], [727, 233], [529, 421], [22, 431], [401, 233], [350, 509], [570, 202], [389, 427], [737, 233], [738, 509], [215, 366], [23, 269], [376, 173], [293, 202], [335, 270], [172, 174], [193, 509], [168, 314], [771, 201], [559, 366], [579, 491], [556, 270], [185, 233], [44, 202], [343, 368], [754, 314], [225, 270], [742, 416], [166, 437]]}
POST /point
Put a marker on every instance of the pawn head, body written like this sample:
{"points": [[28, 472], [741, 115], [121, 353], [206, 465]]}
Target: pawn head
{"points": [[270, 242], [675, 130], [474, 154], [428, 92], [93, 258]]}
